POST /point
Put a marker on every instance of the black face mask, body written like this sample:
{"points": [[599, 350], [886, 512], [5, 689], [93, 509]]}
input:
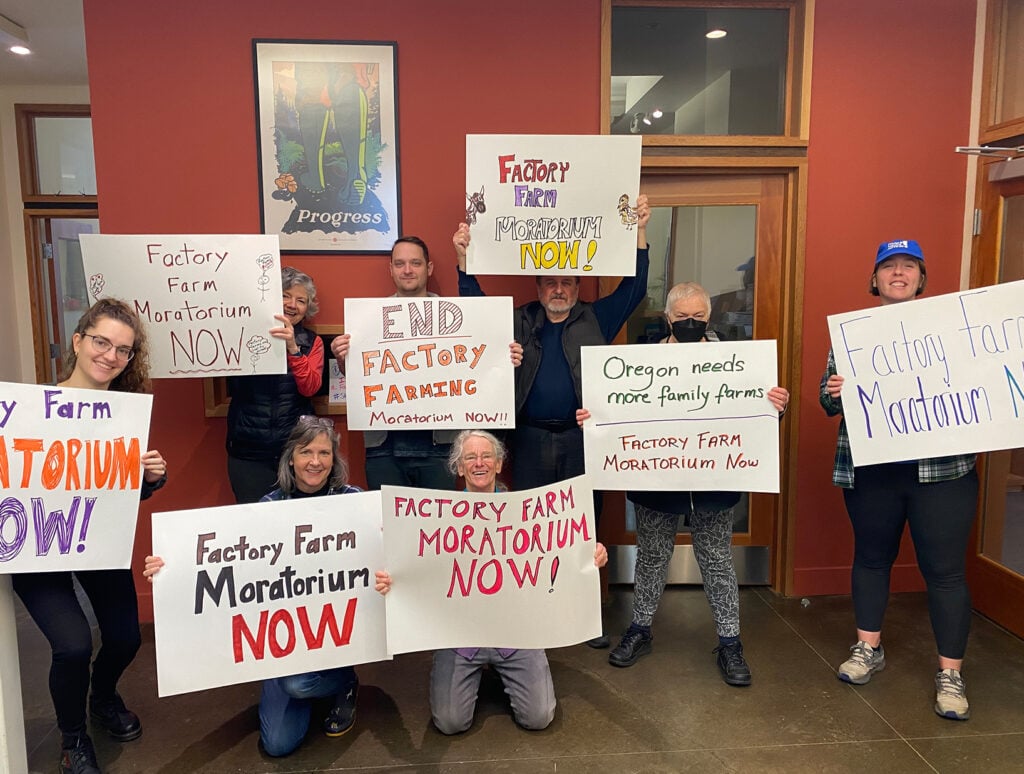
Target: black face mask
{"points": [[689, 330]]}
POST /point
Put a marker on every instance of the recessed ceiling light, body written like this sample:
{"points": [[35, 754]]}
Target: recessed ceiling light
{"points": [[647, 120], [656, 113], [715, 34], [20, 50]]}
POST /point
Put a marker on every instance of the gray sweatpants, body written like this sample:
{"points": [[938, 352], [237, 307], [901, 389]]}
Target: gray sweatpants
{"points": [[455, 681]]}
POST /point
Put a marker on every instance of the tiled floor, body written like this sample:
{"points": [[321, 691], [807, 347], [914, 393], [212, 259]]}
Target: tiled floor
{"points": [[669, 713]]}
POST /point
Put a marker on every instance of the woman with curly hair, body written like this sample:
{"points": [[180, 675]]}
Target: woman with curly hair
{"points": [[108, 352]]}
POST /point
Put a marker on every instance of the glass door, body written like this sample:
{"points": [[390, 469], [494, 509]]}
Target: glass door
{"points": [[726, 233]]}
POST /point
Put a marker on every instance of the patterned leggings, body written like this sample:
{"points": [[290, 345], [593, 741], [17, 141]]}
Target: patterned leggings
{"points": [[712, 539]]}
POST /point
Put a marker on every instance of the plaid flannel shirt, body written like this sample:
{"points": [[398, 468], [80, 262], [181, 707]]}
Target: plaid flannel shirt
{"points": [[929, 470]]}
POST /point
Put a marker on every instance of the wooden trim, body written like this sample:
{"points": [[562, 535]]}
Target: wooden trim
{"points": [[215, 389], [24, 116], [606, 67], [722, 141], [996, 44], [36, 291]]}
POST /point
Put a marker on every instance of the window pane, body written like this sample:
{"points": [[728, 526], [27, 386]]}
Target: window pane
{"points": [[668, 78], [1010, 64], [64, 161]]}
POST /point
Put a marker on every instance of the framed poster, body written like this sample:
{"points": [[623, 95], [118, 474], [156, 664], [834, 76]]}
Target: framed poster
{"points": [[327, 139]]}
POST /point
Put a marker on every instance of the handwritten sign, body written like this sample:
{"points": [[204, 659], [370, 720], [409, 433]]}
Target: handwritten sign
{"points": [[429, 363], [207, 300], [682, 416], [255, 591], [552, 204], [70, 474], [934, 377], [509, 570]]}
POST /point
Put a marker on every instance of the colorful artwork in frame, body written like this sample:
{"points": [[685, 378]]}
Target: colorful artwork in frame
{"points": [[327, 131]]}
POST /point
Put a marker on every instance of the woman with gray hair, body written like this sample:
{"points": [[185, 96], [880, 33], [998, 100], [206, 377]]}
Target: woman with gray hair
{"points": [[477, 456], [707, 514], [265, 407], [311, 465]]}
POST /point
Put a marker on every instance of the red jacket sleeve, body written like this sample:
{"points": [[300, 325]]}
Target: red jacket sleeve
{"points": [[308, 370]]}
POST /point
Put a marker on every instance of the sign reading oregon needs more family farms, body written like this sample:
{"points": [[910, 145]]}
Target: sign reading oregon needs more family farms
{"points": [[934, 377], [692, 416], [552, 204], [429, 363], [503, 570], [208, 301], [70, 475], [255, 591]]}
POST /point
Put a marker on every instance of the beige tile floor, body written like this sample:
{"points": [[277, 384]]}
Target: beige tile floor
{"points": [[668, 713]]}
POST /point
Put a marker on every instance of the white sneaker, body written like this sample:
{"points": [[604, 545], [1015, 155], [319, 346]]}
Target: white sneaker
{"points": [[951, 695], [863, 662]]}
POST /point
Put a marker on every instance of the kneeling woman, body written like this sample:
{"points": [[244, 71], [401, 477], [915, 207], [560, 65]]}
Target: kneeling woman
{"points": [[311, 465], [477, 456]]}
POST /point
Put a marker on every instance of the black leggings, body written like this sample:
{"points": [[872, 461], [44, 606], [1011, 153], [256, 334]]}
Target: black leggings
{"points": [[51, 601], [884, 498]]}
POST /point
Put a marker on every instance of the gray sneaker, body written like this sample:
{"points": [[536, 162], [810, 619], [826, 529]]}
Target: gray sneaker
{"points": [[863, 662], [951, 695]]}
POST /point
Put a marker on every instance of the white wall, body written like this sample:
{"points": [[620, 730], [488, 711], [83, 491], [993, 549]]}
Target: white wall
{"points": [[16, 358]]}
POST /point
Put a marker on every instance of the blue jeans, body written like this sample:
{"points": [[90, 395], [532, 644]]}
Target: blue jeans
{"points": [[287, 702]]}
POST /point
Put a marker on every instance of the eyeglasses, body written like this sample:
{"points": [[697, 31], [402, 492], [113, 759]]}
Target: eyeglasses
{"points": [[102, 346], [471, 458]]}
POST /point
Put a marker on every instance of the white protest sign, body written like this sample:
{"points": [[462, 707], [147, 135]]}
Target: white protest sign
{"points": [[429, 363], [552, 204], [689, 417], [250, 592], [935, 377], [70, 473], [207, 300], [503, 570]]}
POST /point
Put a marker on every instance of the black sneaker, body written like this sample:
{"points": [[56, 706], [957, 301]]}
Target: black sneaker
{"points": [[732, 665], [79, 757], [343, 714], [117, 720], [599, 643], [634, 644]]}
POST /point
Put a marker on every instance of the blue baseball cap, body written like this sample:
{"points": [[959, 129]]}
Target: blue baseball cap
{"points": [[899, 247]]}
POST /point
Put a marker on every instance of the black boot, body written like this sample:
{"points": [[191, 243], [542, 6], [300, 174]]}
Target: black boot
{"points": [[77, 755]]}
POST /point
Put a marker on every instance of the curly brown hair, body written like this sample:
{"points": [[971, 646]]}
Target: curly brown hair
{"points": [[135, 376]]}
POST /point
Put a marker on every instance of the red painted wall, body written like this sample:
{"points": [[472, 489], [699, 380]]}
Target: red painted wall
{"points": [[175, 144], [174, 133], [889, 102]]}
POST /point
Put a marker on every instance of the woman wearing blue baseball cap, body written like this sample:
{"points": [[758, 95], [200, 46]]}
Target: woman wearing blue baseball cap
{"points": [[937, 496]]}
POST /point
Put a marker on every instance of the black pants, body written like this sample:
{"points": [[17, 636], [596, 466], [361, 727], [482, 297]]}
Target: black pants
{"points": [[541, 457], [940, 514], [251, 479], [51, 601]]}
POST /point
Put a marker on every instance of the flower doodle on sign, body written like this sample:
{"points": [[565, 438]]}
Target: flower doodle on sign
{"points": [[96, 283], [257, 345], [265, 262], [628, 215]]}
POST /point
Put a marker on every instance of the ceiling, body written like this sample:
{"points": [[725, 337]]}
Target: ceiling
{"points": [[56, 34]]}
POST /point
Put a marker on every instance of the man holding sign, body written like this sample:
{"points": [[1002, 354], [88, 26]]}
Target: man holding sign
{"points": [[477, 457], [937, 496]]}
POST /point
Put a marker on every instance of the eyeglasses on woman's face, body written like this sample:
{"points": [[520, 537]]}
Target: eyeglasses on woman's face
{"points": [[104, 345]]}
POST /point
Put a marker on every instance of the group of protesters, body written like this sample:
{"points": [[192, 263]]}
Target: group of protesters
{"points": [[278, 449]]}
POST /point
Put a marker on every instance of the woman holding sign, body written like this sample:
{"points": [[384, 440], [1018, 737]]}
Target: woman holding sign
{"points": [[937, 496], [311, 465], [264, 408], [709, 515], [477, 456], [108, 352]]}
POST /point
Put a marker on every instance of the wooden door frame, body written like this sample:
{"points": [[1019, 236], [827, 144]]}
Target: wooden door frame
{"points": [[997, 592], [789, 172]]}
